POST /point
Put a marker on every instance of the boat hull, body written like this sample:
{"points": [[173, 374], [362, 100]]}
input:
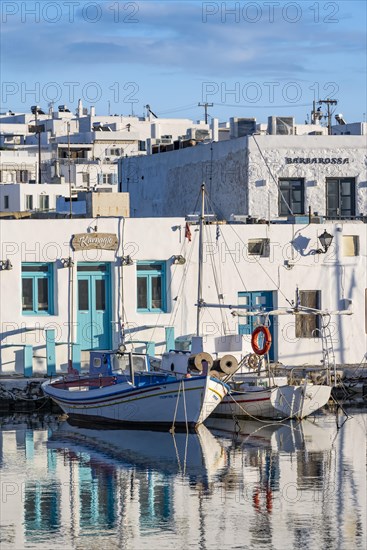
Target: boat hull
{"points": [[183, 403], [275, 402]]}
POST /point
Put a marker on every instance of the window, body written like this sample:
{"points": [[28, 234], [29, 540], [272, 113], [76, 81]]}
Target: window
{"points": [[291, 197], [6, 202], [22, 176], [307, 325], [151, 286], [44, 202], [29, 202], [259, 247], [340, 198], [350, 245], [37, 289], [86, 178]]}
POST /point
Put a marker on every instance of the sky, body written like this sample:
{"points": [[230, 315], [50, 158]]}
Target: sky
{"points": [[250, 59]]}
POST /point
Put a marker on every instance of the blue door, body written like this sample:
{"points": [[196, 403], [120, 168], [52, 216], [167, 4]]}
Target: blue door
{"points": [[94, 306], [256, 301]]}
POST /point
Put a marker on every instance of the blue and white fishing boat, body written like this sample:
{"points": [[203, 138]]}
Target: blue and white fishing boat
{"points": [[121, 389]]}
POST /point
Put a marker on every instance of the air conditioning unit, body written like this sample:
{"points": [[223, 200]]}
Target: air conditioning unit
{"points": [[238, 218], [240, 127], [197, 135], [281, 125], [165, 140], [201, 135]]}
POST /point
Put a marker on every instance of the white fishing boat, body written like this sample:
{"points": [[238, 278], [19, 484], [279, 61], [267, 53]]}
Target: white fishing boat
{"points": [[278, 401], [130, 397]]}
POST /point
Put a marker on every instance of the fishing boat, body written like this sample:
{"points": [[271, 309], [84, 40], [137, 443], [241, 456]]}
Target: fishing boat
{"points": [[122, 389], [278, 401], [262, 395]]}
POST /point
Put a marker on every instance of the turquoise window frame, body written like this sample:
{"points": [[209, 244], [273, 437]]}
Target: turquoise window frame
{"points": [[35, 276], [148, 275]]}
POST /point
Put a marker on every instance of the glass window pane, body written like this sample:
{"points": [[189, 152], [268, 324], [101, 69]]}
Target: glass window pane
{"points": [[101, 295], [41, 268], [42, 285], [142, 293], [243, 300], [100, 267], [150, 267], [27, 294], [83, 298], [156, 292]]}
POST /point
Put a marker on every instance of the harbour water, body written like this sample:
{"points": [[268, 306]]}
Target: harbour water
{"points": [[248, 485]]}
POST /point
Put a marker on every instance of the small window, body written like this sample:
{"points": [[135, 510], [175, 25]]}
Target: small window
{"points": [[259, 247], [6, 202], [307, 325], [350, 245], [151, 287], [23, 176], [29, 202], [37, 289], [44, 202], [86, 178]]}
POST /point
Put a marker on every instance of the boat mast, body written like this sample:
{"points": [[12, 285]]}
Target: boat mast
{"points": [[200, 272]]}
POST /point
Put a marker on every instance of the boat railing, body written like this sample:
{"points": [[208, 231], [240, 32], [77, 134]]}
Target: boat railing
{"points": [[307, 372]]}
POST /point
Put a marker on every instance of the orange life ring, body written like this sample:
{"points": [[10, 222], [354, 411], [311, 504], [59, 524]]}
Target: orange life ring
{"points": [[261, 329]]}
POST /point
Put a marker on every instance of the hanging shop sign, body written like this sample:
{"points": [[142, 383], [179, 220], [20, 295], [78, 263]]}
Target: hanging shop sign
{"points": [[316, 160], [96, 241]]}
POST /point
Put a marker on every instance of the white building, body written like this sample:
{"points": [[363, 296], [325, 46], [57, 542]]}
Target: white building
{"points": [[141, 286], [261, 176], [82, 149]]}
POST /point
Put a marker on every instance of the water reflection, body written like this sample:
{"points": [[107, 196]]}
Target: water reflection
{"points": [[244, 485]]}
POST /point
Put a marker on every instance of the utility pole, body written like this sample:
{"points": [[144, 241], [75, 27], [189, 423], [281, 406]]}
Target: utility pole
{"points": [[38, 131], [69, 169], [328, 103], [206, 105]]}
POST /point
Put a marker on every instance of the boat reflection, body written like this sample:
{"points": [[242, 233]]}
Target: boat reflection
{"points": [[286, 436], [197, 455]]}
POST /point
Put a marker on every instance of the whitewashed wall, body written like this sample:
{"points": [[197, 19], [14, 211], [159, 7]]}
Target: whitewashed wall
{"points": [[237, 177], [337, 276]]}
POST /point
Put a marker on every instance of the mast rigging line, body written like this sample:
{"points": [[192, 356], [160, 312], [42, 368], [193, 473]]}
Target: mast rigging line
{"points": [[271, 174]]}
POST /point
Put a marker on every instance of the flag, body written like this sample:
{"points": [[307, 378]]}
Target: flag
{"points": [[187, 232]]}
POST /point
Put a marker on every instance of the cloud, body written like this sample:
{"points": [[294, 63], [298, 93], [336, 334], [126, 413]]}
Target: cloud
{"points": [[174, 35]]}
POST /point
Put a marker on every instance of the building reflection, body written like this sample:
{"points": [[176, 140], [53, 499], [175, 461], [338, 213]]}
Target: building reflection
{"points": [[266, 481]]}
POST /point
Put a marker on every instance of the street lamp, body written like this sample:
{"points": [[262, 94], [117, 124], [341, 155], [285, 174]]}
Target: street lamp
{"points": [[325, 239]]}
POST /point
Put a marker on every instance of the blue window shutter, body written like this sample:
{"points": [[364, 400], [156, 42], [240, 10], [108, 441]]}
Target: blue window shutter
{"points": [[114, 180], [100, 179]]}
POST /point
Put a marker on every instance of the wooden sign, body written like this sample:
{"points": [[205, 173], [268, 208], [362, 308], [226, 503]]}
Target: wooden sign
{"points": [[98, 241]]}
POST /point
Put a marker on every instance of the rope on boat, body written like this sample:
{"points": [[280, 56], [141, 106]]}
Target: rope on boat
{"points": [[184, 403], [181, 387], [254, 417]]}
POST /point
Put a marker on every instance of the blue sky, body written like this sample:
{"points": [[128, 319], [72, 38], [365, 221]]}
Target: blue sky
{"points": [[254, 58]]}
